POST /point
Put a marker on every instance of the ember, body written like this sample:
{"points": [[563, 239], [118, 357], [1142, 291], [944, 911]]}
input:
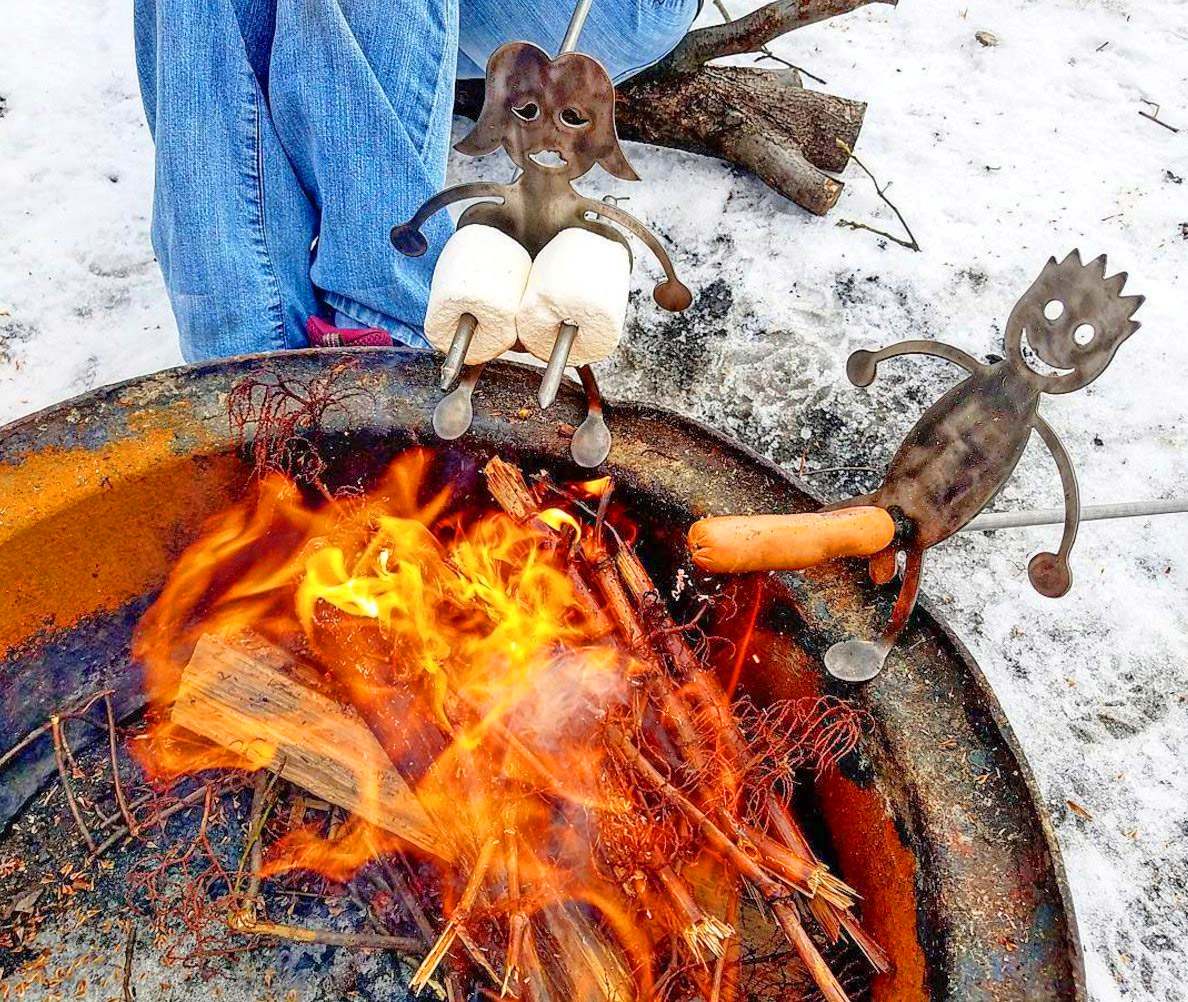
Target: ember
{"points": [[596, 805]]}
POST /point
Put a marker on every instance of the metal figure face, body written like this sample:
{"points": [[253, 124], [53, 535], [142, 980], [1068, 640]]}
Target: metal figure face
{"points": [[552, 115], [1073, 319]]}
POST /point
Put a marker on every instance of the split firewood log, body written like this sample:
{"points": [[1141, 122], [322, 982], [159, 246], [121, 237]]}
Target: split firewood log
{"points": [[250, 697], [762, 119]]}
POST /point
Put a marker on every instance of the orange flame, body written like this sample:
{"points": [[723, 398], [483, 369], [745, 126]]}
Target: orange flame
{"points": [[594, 488], [459, 639]]}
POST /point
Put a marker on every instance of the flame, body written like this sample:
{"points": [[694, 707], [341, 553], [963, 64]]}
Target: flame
{"points": [[457, 637], [594, 488], [555, 518]]}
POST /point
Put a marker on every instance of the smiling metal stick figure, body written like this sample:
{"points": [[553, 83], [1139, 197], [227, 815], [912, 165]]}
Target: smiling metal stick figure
{"points": [[967, 444], [555, 118]]}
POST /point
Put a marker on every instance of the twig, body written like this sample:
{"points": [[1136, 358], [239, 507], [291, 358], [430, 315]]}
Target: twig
{"points": [[253, 850], [455, 928], [1154, 116], [328, 937], [420, 919], [881, 190], [750, 870], [129, 949], [33, 735], [118, 783], [60, 760], [726, 979], [189, 800], [837, 469]]}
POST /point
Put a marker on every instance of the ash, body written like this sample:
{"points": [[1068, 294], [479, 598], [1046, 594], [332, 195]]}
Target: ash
{"points": [[999, 156], [123, 927]]}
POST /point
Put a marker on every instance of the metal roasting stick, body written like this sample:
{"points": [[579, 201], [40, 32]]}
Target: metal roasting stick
{"points": [[550, 383], [1089, 513]]}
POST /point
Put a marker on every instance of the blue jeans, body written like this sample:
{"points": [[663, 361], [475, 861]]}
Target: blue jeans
{"points": [[292, 134]]}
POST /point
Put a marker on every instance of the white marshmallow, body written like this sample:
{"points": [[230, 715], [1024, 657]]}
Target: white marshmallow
{"points": [[579, 278], [481, 271]]}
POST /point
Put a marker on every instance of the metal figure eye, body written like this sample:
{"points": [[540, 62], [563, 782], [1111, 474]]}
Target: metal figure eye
{"points": [[1084, 334], [574, 118], [527, 112], [1054, 309]]}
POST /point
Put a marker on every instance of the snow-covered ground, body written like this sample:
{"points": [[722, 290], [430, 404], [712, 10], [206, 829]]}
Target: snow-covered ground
{"points": [[1000, 156]]}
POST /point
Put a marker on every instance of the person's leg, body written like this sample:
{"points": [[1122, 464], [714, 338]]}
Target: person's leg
{"points": [[626, 36], [362, 97], [232, 226]]}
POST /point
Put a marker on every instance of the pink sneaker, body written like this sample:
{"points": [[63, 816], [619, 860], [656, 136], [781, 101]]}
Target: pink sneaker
{"points": [[323, 335]]}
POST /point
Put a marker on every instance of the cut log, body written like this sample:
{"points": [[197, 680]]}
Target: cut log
{"points": [[250, 697]]}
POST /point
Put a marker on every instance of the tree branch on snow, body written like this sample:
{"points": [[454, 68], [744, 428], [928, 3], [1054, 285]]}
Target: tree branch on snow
{"points": [[755, 30]]}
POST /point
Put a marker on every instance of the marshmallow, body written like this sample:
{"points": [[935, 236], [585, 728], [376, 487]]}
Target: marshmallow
{"points": [[482, 271], [579, 278]]}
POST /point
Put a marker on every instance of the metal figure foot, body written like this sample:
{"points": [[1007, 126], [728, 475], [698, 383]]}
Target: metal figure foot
{"points": [[856, 660], [862, 660], [456, 356], [454, 413], [592, 441], [550, 383]]}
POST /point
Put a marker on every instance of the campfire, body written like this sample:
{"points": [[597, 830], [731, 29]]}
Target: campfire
{"points": [[494, 690]]}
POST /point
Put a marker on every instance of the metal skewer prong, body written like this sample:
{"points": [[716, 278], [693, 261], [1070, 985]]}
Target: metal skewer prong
{"points": [[550, 383], [591, 442], [456, 356]]}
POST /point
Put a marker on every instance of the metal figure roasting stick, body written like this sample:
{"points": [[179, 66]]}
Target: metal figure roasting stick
{"points": [[1059, 337], [537, 106]]}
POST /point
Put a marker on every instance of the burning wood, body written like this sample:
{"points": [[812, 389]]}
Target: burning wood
{"points": [[251, 698], [525, 711]]}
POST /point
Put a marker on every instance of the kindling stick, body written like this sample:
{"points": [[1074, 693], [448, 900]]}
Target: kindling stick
{"points": [[990, 521]]}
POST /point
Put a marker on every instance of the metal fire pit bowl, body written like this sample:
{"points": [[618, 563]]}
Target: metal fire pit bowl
{"points": [[936, 820]]}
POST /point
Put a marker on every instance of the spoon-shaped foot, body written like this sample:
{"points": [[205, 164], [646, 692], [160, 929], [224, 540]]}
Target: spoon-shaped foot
{"points": [[591, 442], [856, 660], [454, 412]]}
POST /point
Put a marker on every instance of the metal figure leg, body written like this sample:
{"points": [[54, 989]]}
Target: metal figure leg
{"points": [[454, 412], [592, 441], [862, 660]]}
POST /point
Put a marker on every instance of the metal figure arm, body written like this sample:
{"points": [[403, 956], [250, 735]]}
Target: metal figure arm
{"points": [[862, 364], [407, 237], [671, 294], [1049, 572]]}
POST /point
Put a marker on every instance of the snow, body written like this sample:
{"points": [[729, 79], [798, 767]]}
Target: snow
{"points": [[999, 156]]}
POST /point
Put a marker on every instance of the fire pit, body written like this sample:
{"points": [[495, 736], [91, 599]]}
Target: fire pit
{"points": [[933, 821]]}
